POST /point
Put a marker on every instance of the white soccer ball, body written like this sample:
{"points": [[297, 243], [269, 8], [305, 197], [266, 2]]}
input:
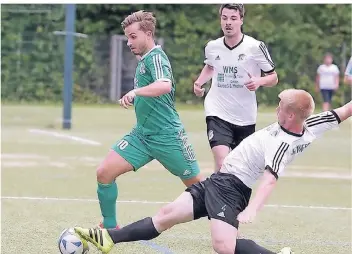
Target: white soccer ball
{"points": [[69, 243]]}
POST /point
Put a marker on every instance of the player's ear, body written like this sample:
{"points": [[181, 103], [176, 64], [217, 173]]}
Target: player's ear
{"points": [[149, 34]]}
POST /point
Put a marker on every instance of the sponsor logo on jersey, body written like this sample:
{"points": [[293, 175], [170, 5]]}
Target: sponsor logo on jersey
{"points": [[241, 57], [274, 133], [299, 148], [187, 172], [217, 58], [229, 69], [135, 81], [142, 68]]}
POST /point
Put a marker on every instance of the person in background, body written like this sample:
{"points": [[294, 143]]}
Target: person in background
{"points": [[327, 80]]}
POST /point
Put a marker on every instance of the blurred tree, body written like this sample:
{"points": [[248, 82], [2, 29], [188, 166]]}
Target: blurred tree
{"points": [[297, 37]]}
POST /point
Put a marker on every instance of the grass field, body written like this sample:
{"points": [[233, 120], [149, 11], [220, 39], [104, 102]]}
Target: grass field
{"points": [[49, 184]]}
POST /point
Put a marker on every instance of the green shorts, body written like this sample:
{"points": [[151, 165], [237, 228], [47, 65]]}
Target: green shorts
{"points": [[173, 151]]}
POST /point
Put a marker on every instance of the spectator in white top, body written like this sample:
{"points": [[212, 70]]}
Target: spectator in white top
{"points": [[327, 80]]}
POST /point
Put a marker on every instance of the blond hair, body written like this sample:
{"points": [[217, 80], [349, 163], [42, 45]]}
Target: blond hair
{"points": [[300, 102], [146, 20]]}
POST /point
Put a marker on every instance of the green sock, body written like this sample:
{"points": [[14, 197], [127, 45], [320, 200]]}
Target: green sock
{"points": [[107, 194]]}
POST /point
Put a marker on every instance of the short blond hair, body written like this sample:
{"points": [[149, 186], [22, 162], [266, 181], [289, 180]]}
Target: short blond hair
{"points": [[299, 102], [146, 20]]}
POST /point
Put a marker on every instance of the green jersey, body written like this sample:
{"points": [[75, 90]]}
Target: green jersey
{"points": [[155, 115]]}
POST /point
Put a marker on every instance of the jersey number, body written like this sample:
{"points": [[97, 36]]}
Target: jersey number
{"points": [[122, 144]]}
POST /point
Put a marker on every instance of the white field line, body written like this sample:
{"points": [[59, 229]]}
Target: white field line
{"points": [[86, 200], [19, 156], [206, 166], [13, 160], [65, 136], [33, 164]]}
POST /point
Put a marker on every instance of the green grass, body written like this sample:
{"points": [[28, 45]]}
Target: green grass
{"points": [[35, 165]]}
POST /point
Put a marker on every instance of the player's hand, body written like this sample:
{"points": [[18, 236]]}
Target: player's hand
{"points": [[253, 84], [127, 99], [247, 215], [198, 90]]}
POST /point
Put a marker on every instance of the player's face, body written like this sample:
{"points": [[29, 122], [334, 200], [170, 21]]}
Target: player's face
{"points": [[231, 22], [137, 39], [282, 114]]}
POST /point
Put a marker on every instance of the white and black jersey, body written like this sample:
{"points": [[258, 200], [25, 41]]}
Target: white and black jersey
{"points": [[228, 98], [274, 147]]}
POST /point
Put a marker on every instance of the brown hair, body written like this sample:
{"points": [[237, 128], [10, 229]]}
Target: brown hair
{"points": [[146, 20], [237, 7]]}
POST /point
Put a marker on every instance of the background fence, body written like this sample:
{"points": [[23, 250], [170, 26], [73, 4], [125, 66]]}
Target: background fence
{"points": [[32, 53]]}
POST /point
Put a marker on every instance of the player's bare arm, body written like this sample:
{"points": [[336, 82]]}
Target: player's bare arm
{"points": [[344, 112], [347, 80], [205, 75], [269, 80], [264, 190]]}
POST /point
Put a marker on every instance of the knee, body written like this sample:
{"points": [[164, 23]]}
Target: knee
{"points": [[162, 220], [103, 175], [223, 247]]}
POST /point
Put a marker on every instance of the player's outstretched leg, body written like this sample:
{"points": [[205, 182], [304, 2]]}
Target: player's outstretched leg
{"points": [[112, 166], [97, 236], [223, 236], [179, 211], [246, 246]]}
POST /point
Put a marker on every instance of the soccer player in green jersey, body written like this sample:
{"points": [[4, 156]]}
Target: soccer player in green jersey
{"points": [[159, 133]]}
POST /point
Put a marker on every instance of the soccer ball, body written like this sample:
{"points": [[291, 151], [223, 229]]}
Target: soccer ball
{"points": [[69, 243]]}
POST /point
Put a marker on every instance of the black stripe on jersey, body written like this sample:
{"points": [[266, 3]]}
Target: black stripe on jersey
{"points": [[320, 122], [277, 152], [271, 171], [326, 117], [266, 72], [336, 116], [320, 119], [101, 237], [281, 157], [266, 54], [318, 116], [95, 235], [278, 156], [91, 234], [313, 118]]}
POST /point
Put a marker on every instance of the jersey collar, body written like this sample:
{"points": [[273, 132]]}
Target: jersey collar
{"points": [[292, 133], [156, 46], [231, 48]]}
